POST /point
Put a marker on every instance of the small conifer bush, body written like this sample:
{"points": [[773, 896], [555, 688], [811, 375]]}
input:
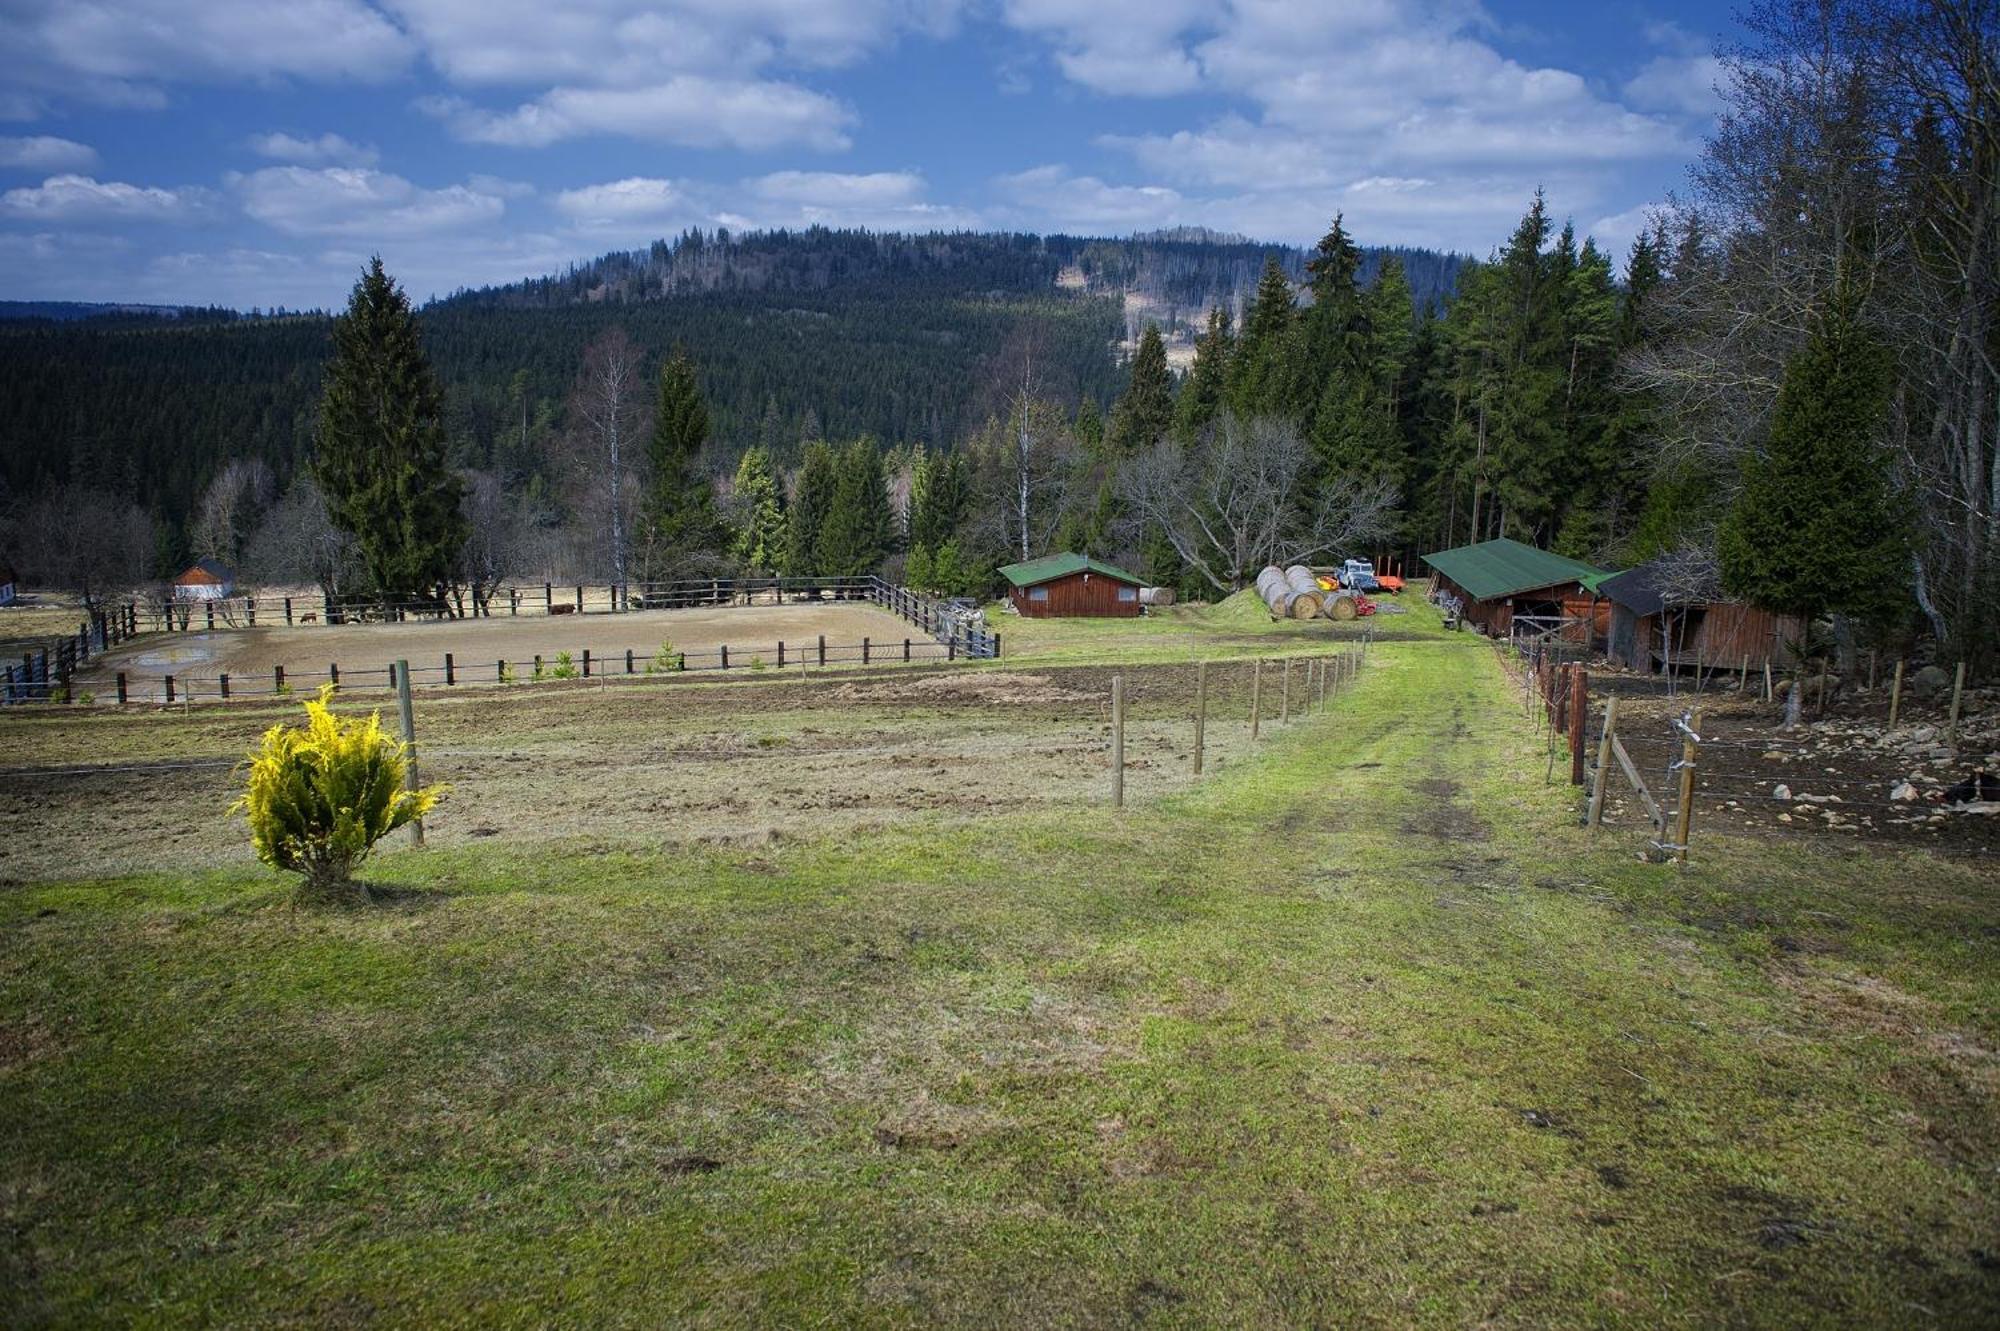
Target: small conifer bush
{"points": [[319, 796]]}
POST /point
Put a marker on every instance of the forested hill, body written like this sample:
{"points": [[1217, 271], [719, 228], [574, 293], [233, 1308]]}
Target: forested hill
{"points": [[1184, 272], [841, 333]]}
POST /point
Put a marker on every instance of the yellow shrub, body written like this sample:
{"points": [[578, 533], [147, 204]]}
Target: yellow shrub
{"points": [[318, 796]]}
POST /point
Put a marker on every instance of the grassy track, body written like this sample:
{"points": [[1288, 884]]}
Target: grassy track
{"points": [[1362, 1031]]}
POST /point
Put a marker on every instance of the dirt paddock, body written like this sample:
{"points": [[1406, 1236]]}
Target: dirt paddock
{"points": [[306, 652], [633, 763]]}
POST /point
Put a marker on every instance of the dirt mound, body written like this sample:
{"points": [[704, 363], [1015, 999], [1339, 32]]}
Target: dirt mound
{"points": [[966, 687]]}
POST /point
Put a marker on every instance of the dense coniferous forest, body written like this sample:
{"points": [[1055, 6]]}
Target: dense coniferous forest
{"points": [[840, 334]]}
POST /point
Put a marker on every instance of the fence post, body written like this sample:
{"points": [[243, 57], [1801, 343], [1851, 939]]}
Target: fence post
{"points": [[333, 673], [1957, 694], [1596, 814], [121, 685], [1117, 741], [628, 660], [725, 656], [586, 663], [450, 670], [996, 646], [1200, 711], [222, 682], [410, 781], [579, 598], [549, 598], [1767, 679], [822, 649], [906, 650], [781, 653], [1684, 819], [250, 610], [864, 651], [1896, 693], [210, 607], [277, 679], [1256, 697], [500, 672], [288, 609], [1579, 700]]}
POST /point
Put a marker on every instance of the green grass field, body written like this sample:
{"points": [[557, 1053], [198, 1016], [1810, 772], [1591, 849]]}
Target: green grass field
{"points": [[1362, 1030]]}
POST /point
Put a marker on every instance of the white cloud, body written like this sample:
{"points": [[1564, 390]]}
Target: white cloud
{"points": [[329, 149], [1687, 85], [634, 42], [353, 201], [635, 199], [43, 152], [1119, 47], [116, 51], [75, 198], [641, 208], [833, 189], [690, 110], [1067, 202]]}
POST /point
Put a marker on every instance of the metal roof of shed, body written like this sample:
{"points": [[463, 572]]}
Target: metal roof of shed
{"points": [[1050, 567], [1506, 567]]}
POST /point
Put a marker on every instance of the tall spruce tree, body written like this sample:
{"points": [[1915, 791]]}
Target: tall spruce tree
{"points": [[1263, 373], [1205, 390], [812, 501], [760, 535], [379, 453], [940, 499], [1146, 409], [860, 528], [1818, 526], [682, 529]]}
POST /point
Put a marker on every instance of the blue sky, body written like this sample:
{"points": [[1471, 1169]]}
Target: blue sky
{"points": [[254, 152]]}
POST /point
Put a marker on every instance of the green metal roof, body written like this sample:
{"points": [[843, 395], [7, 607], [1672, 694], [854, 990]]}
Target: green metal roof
{"points": [[1050, 567], [1505, 568], [1595, 581]]}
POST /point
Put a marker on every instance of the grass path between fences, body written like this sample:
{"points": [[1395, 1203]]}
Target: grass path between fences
{"points": [[1361, 1031]]}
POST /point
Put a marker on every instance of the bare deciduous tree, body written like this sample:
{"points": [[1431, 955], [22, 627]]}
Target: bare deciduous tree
{"points": [[607, 411], [1230, 503], [231, 508], [297, 542], [86, 541]]}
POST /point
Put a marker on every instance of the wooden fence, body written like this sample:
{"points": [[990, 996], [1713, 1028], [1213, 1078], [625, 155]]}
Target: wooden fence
{"points": [[933, 616], [454, 669], [46, 671]]}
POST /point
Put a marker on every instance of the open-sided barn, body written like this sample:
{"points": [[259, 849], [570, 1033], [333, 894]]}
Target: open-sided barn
{"points": [[1064, 585], [1505, 586], [1654, 630]]}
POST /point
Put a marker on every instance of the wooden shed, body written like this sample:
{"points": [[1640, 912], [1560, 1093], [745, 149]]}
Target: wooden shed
{"points": [[1071, 585], [207, 580], [1652, 633], [1505, 586]]}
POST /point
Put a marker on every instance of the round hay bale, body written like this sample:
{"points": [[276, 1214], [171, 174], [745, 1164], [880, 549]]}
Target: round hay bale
{"points": [[1341, 608]]}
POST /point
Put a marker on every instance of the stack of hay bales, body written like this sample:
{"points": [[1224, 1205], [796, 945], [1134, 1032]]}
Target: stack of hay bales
{"points": [[1287, 597]]}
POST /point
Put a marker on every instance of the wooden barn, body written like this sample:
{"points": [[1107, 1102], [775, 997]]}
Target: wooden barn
{"points": [[1071, 585], [1507, 587], [207, 580], [1656, 633]]}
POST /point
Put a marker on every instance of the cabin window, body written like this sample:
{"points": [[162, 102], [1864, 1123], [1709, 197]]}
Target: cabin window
{"points": [[1038, 593], [1128, 593]]}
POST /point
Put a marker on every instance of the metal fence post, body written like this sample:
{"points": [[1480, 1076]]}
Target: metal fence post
{"points": [[408, 713]]}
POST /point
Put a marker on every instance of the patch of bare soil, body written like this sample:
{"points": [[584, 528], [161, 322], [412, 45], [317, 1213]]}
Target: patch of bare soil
{"points": [[1845, 775]]}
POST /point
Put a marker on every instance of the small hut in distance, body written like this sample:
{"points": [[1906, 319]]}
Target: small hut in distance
{"points": [[1663, 619], [205, 580]]}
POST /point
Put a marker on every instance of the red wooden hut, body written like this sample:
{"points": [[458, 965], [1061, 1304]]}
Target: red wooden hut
{"points": [[1071, 585]]}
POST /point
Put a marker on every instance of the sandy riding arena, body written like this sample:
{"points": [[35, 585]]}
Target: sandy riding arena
{"points": [[363, 652]]}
